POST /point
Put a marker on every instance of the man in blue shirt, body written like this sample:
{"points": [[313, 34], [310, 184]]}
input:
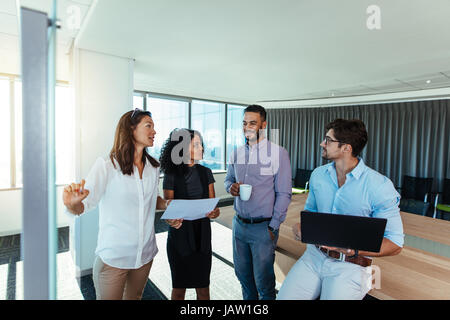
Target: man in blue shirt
{"points": [[345, 186], [266, 167]]}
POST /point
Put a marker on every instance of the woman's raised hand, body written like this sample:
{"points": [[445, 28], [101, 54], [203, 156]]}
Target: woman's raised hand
{"points": [[73, 195]]}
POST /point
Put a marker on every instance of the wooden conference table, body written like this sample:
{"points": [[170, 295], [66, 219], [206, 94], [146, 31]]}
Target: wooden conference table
{"points": [[412, 274]]}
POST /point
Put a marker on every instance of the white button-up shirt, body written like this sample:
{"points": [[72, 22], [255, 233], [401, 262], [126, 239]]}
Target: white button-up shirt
{"points": [[127, 204]]}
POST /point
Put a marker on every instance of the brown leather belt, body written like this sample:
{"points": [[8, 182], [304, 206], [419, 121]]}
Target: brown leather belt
{"points": [[359, 260]]}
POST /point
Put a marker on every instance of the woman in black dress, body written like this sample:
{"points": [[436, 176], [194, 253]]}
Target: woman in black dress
{"points": [[189, 242]]}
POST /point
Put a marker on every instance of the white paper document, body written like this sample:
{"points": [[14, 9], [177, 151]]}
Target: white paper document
{"points": [[190, 209]]}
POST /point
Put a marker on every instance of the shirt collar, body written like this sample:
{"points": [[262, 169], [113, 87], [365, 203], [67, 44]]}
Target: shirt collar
{"points": [[359, 169], [356, 172]]}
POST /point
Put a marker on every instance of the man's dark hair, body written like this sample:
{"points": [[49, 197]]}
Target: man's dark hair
{"points": [[352, 132], [258, 109]]}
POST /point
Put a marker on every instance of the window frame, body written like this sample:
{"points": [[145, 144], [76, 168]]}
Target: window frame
{"points": [[12, 78], [189, 100]]}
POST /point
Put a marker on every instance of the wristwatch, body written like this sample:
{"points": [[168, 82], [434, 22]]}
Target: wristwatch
{"points": [[272, 229]]}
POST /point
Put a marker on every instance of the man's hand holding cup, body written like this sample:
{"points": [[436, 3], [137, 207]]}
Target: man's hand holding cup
{"points": [[234, 190]]}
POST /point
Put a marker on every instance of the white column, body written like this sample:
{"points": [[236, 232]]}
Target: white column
{"points": [[103, 87]]}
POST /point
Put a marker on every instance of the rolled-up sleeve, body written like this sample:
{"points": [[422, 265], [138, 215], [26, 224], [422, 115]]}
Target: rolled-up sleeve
{"points": [[311, 204], [96, 182], [283, 190], [386, 205]]}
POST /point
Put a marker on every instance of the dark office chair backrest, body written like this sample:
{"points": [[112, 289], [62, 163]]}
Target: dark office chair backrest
{"points": [[416, 188], [302, 177], [414, 206], [446, 192]]}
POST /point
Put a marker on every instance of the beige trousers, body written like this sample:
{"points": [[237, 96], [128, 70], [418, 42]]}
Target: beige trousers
{"points": [[117, 284]]}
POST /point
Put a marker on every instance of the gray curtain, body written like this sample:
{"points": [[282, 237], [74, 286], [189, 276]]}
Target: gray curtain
{"points": [[408, 138]]}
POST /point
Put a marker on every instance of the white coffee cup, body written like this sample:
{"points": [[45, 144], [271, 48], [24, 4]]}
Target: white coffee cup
{"points": [[245, 191]]}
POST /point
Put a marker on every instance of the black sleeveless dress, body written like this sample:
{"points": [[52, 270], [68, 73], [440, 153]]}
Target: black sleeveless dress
{"points": [[189, 247]]}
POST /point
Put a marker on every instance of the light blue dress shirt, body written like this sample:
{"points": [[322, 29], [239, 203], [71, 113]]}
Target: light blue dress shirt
{"points": [[365, 193]]}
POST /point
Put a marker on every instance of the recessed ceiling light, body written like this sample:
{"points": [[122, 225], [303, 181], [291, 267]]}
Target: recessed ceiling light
{"points": [[332, 94], [428, 81]]}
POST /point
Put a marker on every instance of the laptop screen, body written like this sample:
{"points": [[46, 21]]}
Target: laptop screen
{"points": [[342, 231]]}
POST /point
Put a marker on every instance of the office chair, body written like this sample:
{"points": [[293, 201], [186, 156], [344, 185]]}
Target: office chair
{"points": [[414, 206], [416, 188], [301, 181], [442, 203]]}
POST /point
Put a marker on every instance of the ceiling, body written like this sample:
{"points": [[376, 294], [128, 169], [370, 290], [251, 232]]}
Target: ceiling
{"points": [[256, 51], [9, 25], [276, 50]]}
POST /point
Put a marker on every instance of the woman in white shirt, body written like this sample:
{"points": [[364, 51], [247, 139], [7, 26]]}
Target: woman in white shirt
{"points": [[125, 187]]}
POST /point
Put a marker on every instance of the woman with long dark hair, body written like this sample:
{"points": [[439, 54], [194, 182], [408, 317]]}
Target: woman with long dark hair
{"points": [[125, 187], [189, 242]]}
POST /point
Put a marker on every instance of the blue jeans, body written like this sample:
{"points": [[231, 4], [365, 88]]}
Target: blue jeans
{"points": [[254, 256], [317, 275]]}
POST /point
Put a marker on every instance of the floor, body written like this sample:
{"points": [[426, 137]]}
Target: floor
{"points": [[224, 284]]}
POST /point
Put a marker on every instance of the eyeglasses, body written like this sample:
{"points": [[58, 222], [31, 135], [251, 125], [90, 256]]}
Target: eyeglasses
{"points": [[138, 111], [328, 140]]}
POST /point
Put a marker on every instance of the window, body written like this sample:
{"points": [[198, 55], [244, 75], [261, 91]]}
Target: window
{"points": [[220, 134], [65, 134], [5, 134], [209, 119], [167, 114], [235, 135], [138, 101], [11, 133], [18, 131]]}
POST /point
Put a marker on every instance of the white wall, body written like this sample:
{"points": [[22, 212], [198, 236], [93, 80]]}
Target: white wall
{"points": [[10, 58], [11, 211], [103, 87], [9, 54]]}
